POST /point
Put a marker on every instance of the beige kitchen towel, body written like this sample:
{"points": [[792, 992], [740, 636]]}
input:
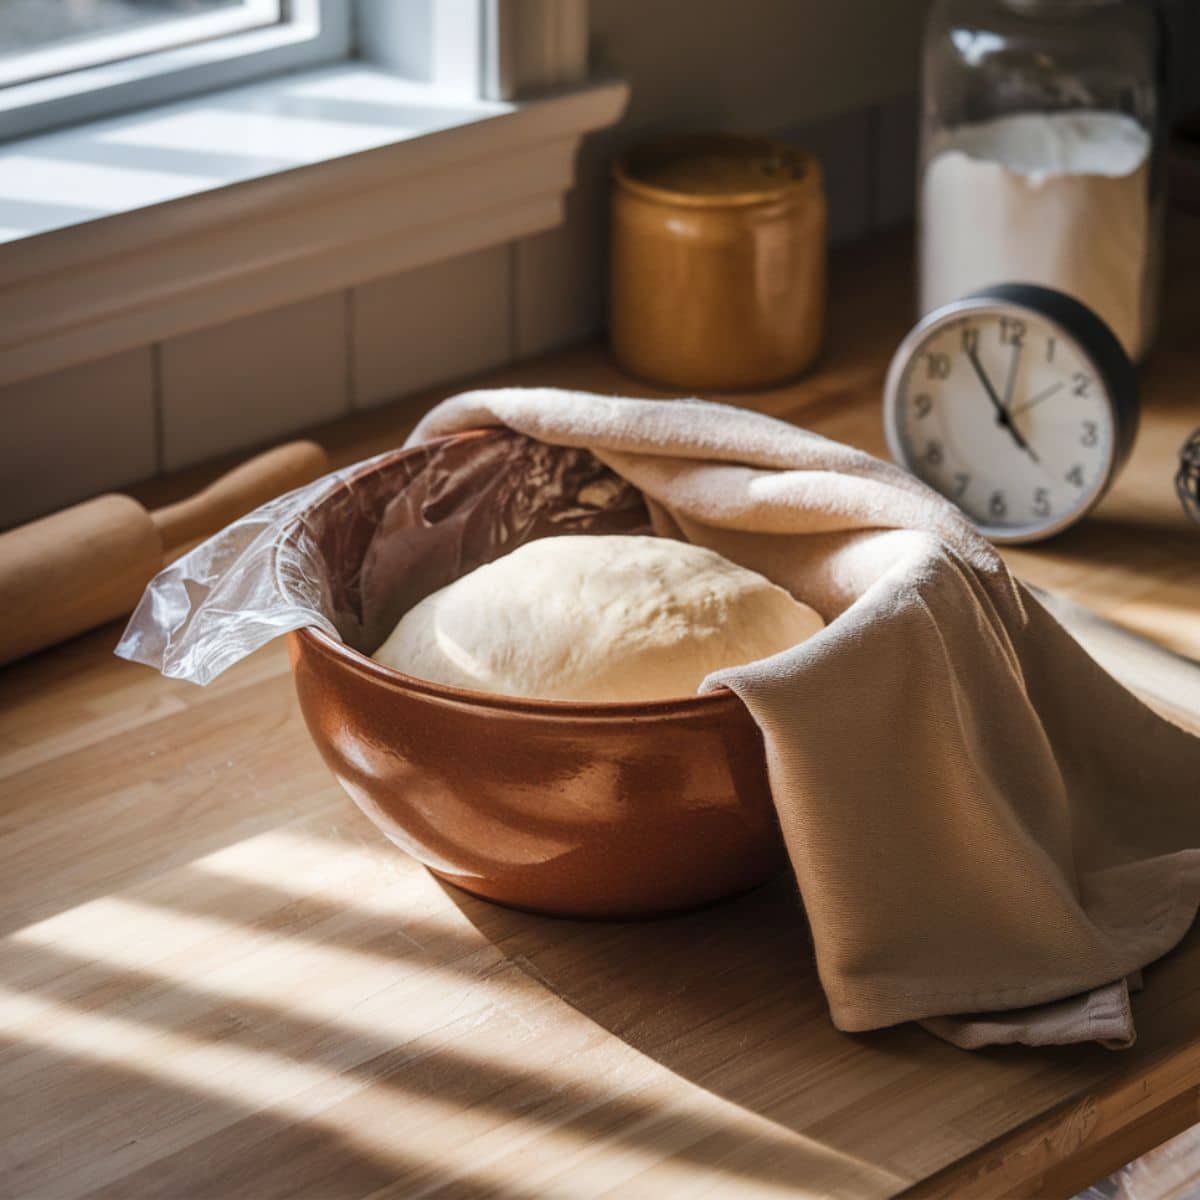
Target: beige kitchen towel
{"points": [[989, 832]]}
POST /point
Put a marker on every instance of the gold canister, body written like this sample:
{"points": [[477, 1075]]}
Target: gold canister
{"points": [[718, 261]]}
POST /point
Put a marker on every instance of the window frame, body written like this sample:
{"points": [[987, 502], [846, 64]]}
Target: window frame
{"points": [[314, 32], [103, 47], [413, 194], [511, 48]]}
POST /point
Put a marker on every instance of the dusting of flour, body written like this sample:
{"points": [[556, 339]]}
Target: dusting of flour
{"points": [[598, 618], [1059, 199]]}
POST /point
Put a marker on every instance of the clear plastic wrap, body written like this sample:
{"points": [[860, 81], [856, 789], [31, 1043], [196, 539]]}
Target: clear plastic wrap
{"points": [[351, 552]]}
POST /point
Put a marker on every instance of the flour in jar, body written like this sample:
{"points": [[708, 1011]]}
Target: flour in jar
{"points": [[1059, 199]]}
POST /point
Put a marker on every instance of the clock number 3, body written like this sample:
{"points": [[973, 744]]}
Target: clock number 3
{"points": [[1090, 435]]}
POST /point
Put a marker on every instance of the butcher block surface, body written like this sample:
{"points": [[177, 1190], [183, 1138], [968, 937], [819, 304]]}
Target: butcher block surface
{"points": [[217, 979]]}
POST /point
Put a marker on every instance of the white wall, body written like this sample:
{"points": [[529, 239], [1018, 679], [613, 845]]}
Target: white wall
{"points": [[756, 64], [835, 75]]}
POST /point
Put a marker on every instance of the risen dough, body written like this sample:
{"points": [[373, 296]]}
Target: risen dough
{"points": [[596, 618]]}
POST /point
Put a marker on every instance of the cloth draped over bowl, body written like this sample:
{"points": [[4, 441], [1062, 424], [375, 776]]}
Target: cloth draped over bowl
{"points": [[990, 834]]}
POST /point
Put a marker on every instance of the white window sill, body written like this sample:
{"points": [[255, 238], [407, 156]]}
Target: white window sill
{"points": [[136, 228]]}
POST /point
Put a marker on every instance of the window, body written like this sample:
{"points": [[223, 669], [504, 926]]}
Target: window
{"points": [[64, 61], [169, 216], [39, 38]]}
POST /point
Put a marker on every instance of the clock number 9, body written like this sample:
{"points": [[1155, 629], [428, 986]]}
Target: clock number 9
{"points": [[998, 505], [923, 403]]}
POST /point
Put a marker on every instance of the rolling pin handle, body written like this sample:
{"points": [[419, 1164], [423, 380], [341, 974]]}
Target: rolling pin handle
{"points": [[239, 491]]}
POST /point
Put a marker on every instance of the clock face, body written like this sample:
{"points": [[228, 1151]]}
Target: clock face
{"points": [[1000, 409]]}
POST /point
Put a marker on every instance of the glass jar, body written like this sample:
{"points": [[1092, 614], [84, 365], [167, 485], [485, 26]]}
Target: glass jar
{"points": [[1042, 154]]}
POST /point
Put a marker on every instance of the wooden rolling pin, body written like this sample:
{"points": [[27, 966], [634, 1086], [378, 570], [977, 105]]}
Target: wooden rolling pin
{"points": [[86, 565]]}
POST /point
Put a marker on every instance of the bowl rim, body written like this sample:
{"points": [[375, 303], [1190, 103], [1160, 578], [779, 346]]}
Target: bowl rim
{"points": [[363, 664]]}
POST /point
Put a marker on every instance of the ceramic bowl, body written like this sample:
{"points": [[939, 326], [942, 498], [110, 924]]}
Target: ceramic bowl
{"points": [[574, 809]]}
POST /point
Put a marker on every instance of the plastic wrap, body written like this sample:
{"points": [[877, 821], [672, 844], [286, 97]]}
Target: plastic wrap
{"points": [[353, 551]]}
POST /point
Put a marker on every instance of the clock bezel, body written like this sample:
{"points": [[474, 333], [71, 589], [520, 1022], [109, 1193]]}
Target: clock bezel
{"points": [[1025, 302]]}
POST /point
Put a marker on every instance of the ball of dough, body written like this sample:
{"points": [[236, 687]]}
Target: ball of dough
{"points": [[597, 618]]}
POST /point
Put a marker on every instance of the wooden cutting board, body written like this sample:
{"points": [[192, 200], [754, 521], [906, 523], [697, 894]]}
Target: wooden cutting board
{"points": [[1168, 682], [217, 979]]}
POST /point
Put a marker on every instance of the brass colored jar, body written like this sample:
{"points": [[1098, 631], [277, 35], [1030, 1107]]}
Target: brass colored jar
{"points": [[718, 261]]}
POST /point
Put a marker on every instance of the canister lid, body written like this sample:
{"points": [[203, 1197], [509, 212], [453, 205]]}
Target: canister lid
{"points": [[715, 169]]}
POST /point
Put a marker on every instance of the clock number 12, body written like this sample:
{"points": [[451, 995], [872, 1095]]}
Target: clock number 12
{"points": [[1012, 332]]}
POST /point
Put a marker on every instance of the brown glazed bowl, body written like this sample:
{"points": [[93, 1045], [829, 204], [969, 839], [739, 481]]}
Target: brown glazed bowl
{"points": [[574, 809]]}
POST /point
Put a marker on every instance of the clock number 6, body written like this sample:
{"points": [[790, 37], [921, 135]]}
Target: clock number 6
{"points": [[998, 505]]}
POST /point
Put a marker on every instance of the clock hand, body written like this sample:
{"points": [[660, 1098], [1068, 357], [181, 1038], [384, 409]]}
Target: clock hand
{"points": [[1044, 394], [1013, 365], [1001, 414], [1002, 417]]}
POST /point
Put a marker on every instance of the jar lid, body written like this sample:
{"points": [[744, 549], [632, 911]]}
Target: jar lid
{"points": [[715, 169]]}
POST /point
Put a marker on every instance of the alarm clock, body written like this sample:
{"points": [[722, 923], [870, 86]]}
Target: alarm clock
{"points": [[1018, 403]]}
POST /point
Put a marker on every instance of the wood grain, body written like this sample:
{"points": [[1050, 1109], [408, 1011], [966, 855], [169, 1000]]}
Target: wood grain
{"points": [[217, 980], [89, 564]]}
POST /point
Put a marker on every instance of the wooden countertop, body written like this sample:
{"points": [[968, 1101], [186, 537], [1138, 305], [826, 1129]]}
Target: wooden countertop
{"points": [[218, 980]]}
